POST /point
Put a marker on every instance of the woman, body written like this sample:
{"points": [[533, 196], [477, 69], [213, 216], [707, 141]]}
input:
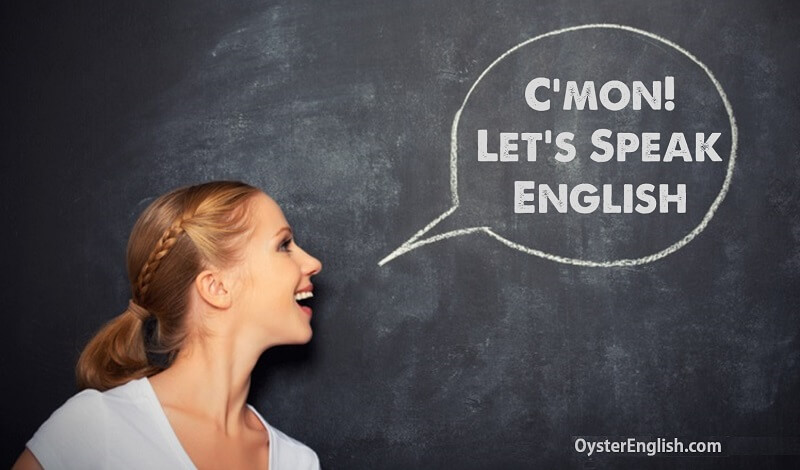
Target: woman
{"points": [[216, 280]]}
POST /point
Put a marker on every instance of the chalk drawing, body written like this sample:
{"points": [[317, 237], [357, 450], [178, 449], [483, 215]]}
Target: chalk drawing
{"points": [[415, 242]]}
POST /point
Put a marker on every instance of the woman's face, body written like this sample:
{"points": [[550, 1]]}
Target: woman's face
{"points": [[275, 269]]}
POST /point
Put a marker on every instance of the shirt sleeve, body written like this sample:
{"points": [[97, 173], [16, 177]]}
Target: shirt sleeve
{"points": [[304, 458], [292, 454], [73, 436]]}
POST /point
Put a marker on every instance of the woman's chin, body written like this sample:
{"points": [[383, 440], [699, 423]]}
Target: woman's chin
{"points": [[305, 336]]}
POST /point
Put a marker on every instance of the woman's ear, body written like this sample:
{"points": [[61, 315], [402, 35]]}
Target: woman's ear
{"points": [[212, 288]]}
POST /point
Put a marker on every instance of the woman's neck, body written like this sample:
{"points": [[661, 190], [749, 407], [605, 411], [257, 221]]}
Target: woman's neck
{"points": [[210, 379]]}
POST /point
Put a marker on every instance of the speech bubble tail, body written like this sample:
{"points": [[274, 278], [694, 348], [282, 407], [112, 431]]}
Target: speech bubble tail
{"points": [[416, 241], [404, 248], [407, 246], [432, 224]]}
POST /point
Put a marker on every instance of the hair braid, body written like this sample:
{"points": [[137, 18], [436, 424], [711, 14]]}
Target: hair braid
{"points": [[165, 243]]}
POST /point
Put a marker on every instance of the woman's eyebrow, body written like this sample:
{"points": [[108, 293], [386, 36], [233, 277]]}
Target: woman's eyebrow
{"points": [[283, 229]]}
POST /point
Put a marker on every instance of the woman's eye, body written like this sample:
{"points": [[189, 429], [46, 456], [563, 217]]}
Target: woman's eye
{"points": [[285, 245]]}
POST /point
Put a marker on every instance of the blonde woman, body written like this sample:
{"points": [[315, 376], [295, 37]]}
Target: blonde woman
{"points": [[216, 279]]}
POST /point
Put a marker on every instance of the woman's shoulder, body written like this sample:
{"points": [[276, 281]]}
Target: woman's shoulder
{"points": [[90, 402], [289, 452], [81, 425], [82, 406], [75, 428]]}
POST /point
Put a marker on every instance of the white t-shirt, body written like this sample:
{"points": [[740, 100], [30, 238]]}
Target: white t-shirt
{"points": [[125, 428]]}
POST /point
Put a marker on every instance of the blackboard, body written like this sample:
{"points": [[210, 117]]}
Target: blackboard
{"points": [[505, 339]]}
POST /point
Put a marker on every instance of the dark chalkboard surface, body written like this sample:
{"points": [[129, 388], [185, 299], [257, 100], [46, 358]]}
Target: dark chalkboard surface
{"points": [[451, 330]]}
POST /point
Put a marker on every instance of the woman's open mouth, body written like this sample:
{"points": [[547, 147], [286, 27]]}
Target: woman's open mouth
{"points": [[303, 296]]}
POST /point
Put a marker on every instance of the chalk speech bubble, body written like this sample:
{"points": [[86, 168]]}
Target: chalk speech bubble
{"points": [[691, 106]]}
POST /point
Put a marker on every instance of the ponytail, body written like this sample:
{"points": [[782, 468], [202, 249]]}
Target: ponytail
{"points": [[115, 355]]}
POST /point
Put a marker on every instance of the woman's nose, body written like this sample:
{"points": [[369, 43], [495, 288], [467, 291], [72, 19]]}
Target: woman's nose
{"points": [[313, 265]]}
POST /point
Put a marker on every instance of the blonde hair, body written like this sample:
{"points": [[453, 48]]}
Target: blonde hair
{"points": [[173, 240]]}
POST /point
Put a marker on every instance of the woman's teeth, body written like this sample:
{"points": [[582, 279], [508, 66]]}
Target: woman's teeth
{"points": [[303, 295]]}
